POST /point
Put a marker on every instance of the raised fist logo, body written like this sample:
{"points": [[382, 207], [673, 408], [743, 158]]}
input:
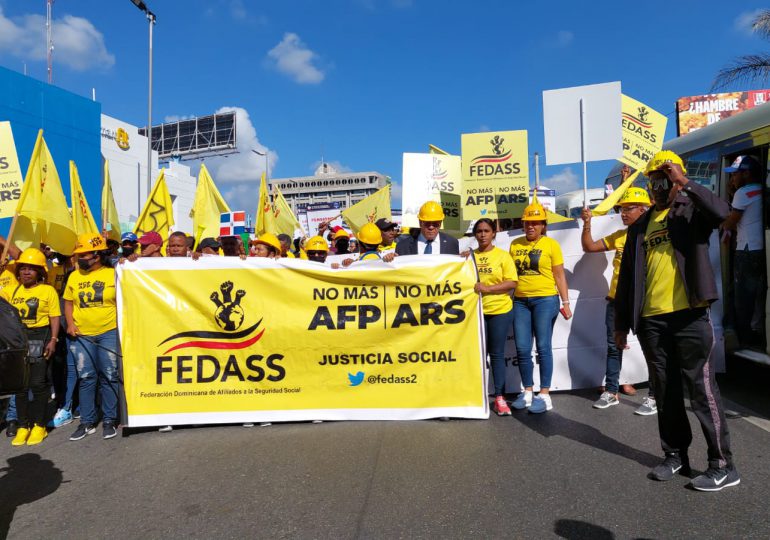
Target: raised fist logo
{"points": [[98, 288], [229, 314], [643, 112], [497, 144]]}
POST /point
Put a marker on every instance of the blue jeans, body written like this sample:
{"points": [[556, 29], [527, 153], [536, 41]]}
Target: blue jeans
{"points": [[497, 327], [614, 355], [535, 315], [72, 378], [94, 358], [10, 413]]}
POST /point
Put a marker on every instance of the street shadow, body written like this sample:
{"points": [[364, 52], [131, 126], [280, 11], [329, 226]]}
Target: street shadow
{"points": [[553, 424], [574, 529], [27, 479]]}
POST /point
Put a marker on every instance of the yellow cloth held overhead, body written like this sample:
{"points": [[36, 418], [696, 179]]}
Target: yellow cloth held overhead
{"points": [[265, 216], [82, 218], [42, 214], [436, 150], [369, 210], [612, 199], [284, 220], [207, 207], [157, 214], [110, 219]]}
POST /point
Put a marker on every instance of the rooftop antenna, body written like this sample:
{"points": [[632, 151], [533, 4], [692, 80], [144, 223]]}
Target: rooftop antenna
{"points": [[49, 37]]}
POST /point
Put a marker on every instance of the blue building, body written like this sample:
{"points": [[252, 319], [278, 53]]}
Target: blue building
{"points": [[71, 127]]}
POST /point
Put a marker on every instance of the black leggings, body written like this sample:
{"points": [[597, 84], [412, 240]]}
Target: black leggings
{"points": [[33, 412]]}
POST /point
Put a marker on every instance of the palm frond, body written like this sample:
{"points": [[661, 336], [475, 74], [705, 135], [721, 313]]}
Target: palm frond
{"points": [[749, 68], [761, 24]]}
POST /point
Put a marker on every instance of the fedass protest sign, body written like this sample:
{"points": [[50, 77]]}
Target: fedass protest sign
{"points": [[220, 340]]}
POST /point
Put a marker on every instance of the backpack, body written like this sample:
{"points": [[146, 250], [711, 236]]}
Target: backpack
{"points": [[14, 372]]}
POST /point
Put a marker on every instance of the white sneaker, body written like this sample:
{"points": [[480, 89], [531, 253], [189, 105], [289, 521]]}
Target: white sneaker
{"points": [[541, 404], [647, 408], [166, 429], [523, 401]]}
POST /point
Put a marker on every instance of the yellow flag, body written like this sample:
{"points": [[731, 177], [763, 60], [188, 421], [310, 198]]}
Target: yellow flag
{"points": [[207, 207], [157, 214], [436, 150], [264, 210], [82, 219], [612, 199], [42, 214], [110, 219], [284, 220], [369, 210]]}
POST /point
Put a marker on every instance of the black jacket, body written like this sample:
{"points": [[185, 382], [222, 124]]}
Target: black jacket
{"points": [[408, 245], [694, 214]]}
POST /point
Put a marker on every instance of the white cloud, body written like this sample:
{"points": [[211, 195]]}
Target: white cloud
{"points": [[743, 22], [77, 43], [336, 165], [562, 182], [292, 58], [563, 38]]}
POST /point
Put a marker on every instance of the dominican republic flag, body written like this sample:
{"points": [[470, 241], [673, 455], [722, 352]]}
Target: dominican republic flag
{"points": [[232, 223]]}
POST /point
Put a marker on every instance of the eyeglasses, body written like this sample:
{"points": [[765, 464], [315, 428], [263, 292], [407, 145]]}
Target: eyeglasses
{"points": [[628, 209], [660, 183]]}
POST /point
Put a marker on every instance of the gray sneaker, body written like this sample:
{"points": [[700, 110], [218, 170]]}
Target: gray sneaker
{"points": [[607, 399], [717, 479], [648, 407]]}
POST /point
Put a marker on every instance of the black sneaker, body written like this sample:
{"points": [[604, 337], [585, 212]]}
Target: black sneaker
{"points": [[11, 428], [672, 464], [717, 479], [82, 431], [108, 430]]}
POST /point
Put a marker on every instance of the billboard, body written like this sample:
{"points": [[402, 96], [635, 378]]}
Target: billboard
{"points": [[194, 138], [695, 112]]}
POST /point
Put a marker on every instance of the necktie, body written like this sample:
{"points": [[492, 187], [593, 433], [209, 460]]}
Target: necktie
{"points": [[428, 247]]}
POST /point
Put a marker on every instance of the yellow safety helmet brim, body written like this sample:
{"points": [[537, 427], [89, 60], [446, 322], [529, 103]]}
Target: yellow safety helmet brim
{"points": [[88, 242], [431, 211], [33, 257], [660, 159]]}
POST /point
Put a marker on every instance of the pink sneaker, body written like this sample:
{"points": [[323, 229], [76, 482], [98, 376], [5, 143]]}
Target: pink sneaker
{"points": [[501, 407]]}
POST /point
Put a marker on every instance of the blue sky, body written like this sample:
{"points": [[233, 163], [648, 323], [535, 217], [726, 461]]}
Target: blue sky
{"points": [[363, 81]]}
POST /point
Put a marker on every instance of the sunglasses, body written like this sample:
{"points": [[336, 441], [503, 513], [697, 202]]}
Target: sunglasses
{"points": [[659, 183]]}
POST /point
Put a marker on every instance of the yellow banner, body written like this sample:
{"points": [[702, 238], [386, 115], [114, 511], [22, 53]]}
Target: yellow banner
{"points": [[272, 340], [643, 132], [368, 210], [157, 214], [10, 172], [495, 169]]}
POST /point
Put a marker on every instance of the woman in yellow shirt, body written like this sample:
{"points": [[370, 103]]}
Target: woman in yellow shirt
{"points": [[497, 278], [540, 266], [91, 313], [38, 306]]}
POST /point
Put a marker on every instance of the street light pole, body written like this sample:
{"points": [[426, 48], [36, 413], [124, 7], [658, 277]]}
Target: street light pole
{"points": [[151, 19], [267, 161]]}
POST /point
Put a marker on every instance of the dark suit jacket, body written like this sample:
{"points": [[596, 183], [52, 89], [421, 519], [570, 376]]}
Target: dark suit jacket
{"points": [[408, 245]]}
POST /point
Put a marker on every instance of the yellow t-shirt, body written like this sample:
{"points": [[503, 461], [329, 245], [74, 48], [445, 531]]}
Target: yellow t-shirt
{"points": [[494, 267], [35, 305], [93, 299], [370, 256], [8, 276], [534, 264], [56, 278], [665, 290], [391, 247], [616, 241], [290, 255]]}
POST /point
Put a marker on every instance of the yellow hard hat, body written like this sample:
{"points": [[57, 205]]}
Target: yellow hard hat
{"points": [[660, 159], [635, 195], [269, 239], [431, 211], [534, 212], [404, 230], [32, 256], [342, 233], [370, 234], [316, 243], [90, 242]]}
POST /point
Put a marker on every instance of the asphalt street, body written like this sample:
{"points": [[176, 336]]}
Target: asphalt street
{"points": [[574, 472]]}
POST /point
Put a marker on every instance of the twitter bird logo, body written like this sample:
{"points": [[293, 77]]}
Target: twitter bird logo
{"points": [[356, 379]]}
